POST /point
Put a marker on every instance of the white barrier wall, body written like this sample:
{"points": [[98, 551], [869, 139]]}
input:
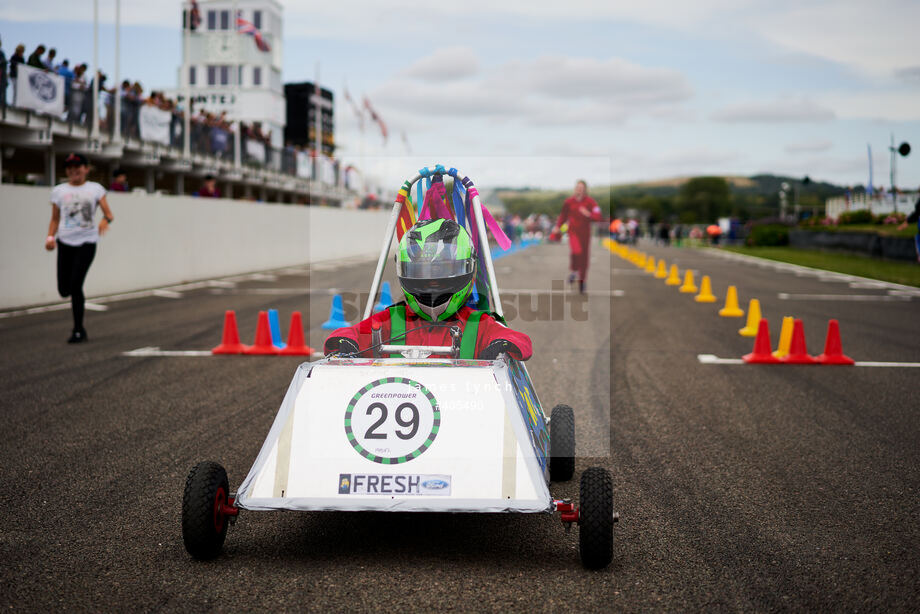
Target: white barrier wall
{"points": [[164, 240]]}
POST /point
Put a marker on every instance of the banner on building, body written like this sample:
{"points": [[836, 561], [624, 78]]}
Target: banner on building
{"points": [[304, 165], [39, 90], [255, 150], [154, 124]]}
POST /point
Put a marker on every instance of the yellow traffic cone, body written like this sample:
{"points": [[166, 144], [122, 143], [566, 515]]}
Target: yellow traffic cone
{"points": [[785, 337], [753, 321], [705, 295], [731, 309], [689, 286], [641, 262], [673, 277], [650, 264], [662, 271]]}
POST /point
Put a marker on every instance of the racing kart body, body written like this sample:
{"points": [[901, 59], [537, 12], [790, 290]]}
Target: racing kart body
{"points": [[410, 434]]}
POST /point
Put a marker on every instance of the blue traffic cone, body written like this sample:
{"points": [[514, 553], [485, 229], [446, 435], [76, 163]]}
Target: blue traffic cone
{"points": [[385, 298], [275, 326], [336, 315]]}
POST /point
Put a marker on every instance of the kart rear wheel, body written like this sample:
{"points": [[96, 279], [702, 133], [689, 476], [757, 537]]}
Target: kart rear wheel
{"points": [[561, 444], [595, 518], [204, 527]]}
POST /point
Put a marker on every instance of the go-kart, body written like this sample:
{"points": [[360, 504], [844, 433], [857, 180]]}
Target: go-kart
{"points": [[412, 433]]}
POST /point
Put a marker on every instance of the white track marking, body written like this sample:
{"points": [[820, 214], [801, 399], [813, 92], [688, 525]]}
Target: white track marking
{"points": [[149, 351], [712, 359], [884, 298], [167, 294]]}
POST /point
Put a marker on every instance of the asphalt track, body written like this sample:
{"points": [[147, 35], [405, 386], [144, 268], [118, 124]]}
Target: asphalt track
{"points": [[752, 488]]}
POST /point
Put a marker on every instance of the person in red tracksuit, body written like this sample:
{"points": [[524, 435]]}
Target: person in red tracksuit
{"points": [[579, 210], [436, 267]]}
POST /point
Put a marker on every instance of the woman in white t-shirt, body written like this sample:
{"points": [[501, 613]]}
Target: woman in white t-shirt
{"points": [[73, 211]]}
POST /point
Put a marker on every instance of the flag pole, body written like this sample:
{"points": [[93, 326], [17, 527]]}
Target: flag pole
{"points": [[117, 104], [186, 145], [317, 115], [94, 128], [237, 140]]}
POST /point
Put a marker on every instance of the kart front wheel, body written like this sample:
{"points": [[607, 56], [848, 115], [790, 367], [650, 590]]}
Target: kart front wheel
{"points": [[595, 518], [561, 444], [204, 522]]}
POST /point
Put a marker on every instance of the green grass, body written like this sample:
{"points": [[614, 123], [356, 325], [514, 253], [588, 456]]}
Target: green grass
{"points": [[906, 273]]}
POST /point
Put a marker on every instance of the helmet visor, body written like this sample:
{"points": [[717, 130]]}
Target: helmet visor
{"points": [[433, 292]]}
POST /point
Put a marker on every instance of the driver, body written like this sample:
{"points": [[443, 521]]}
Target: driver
{"points": [[436, 267]]}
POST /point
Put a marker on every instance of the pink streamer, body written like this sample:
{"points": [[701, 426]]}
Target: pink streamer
{"points": [[503, 241], [434, 203]]}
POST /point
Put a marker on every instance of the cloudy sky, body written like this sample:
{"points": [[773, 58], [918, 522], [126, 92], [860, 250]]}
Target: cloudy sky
{"points": [[538, 93]]}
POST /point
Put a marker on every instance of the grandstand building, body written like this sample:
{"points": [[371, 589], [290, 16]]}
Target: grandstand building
{"points": [[228, 66]]}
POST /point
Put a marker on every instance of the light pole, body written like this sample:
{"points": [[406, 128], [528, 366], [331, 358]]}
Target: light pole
{"points": [[904, 150]]}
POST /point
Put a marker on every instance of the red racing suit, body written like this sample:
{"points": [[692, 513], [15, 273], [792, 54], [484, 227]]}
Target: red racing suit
{"points": [[573, 211], [419, 331]]}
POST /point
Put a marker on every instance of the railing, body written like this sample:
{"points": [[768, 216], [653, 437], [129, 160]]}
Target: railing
{"points": [[902, 202]]}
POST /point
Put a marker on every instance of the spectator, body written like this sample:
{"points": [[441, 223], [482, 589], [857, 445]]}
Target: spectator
{"points": [[4, 78], [73, 230], [119, 181], [914, 218], [64, 71], [15, 59], [35, 59], [209, 188], [49, 61]]}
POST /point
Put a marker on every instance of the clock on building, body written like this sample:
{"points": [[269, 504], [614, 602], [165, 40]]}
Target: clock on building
{"points": [[220, 47]]}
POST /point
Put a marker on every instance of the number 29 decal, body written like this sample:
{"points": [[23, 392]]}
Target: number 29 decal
{"points": [[392, 420]]}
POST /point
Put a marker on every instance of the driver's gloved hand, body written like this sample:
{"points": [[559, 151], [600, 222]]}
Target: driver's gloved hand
{"points": [[346, 347], [491, 351]]}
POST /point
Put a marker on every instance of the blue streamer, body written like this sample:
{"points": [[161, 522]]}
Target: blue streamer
{"points": [[458, 204]]}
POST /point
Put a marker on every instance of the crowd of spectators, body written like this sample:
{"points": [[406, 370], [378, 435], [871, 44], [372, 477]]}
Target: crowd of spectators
{"points": [[211, 133]]}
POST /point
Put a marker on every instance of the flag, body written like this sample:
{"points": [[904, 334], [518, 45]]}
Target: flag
{"points": [[406, 214], [869, 189], [194, 19], [357, 110], [247, 27], [405, 141], [376, 118]]}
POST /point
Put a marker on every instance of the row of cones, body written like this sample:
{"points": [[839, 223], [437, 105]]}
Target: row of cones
{"points": [[792, 349], [268, 337]]}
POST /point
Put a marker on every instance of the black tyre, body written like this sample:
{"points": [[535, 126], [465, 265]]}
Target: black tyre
{"points": [[595, 518], [204, 528], [561, 444]]}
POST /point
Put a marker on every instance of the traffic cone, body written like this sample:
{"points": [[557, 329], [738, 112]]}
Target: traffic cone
{"points": [[336, 315], [386, 299], [673, 277], [641, 261], [295, 345], [731, 309], [761, 354], [230, 341], [753, 320], [705, 295], [785, 337], [650, 265], [263, 345], [689, 286], [798, 353], [662, 271], [275, 327], [833, 349]]}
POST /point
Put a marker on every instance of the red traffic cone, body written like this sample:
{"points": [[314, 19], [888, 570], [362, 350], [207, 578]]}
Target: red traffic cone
{"points": [[761, 354], [263, 344], [230, 342], [295, 344], [798, 353], [833, 349]]}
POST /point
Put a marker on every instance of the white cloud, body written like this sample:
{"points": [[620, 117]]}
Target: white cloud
{"points": [[874, 37], [779, 111], [445, 64], [808, 146]]}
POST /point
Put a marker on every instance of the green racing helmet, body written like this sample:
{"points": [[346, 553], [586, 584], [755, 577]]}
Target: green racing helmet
{"points": [[436, 266]]}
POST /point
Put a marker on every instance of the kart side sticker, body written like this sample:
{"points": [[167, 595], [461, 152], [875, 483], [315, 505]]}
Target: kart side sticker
{"points": [[393, 484], [392, 420], [530, 410]]}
